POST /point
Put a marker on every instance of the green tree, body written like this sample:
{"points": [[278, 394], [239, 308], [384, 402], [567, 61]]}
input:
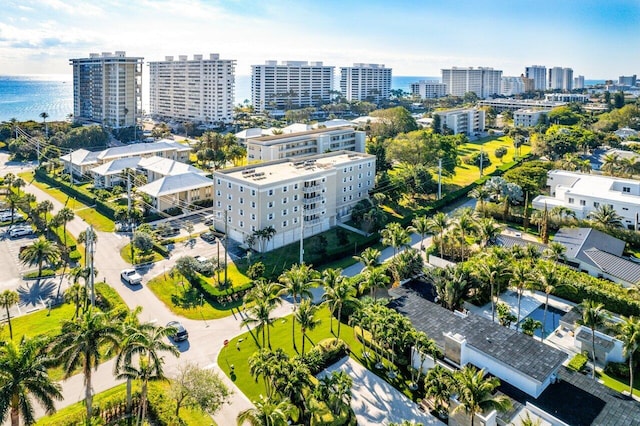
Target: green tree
{"points": [[260, 316], [394, 235], [44, 117], [269, 412], [374, 279], [438, 384], [521, 279], [64, 216], [370, 258], [39, 252], [422, 226], [83, 343], [530, 325], [297, 281], [338, 293], [8, 298], [476, 393], [143, 242], [305, 316], [606, 216], [628, 332], [440, 223], [593, 316], [76, 293], [24, 378], [197, 387]]}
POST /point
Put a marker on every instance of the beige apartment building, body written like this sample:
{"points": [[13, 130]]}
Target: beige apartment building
{"points": [[320, 190], [299, 144]]}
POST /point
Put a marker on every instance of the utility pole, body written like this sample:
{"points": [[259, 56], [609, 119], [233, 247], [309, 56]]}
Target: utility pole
{"points": [[439, 178], [302, 235], [71, 167], [128, 192], [481, 161], [226, 238], [91, 251]]}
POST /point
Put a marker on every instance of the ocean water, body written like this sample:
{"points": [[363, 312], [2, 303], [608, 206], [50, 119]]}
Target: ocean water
{"points": [[25, 97]]}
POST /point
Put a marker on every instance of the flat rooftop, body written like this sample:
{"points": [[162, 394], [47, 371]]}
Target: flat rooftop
{"points": [[264, 140], [596, 185], [289, 168]]}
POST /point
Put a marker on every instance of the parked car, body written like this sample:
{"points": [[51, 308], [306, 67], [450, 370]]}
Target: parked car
{"points": [[208, 237], [181, 333], [20, 231], [201, 259], [208, 220], [131, 276]]}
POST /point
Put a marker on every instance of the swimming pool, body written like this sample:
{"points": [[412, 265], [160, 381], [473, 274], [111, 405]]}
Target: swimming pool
{"points": [[553, 319]]}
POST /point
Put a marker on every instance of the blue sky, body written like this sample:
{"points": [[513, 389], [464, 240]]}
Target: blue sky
{"points": [[598, 39]]}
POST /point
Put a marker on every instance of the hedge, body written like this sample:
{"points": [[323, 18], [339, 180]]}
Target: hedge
{"points": [[325, 353], [578, 362], [214, 294], [44, 273], [108, 299]]}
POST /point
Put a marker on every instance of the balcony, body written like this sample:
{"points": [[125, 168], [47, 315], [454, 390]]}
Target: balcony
{"points": [[316, 187], [313, 199]]}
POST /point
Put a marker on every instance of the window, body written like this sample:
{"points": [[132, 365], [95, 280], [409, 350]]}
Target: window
{"points": [[218, 182], [218, 193], [270, 216], [242, 189], [624, 208], [241, 224], [344, 199], [583, 202], [295, 197], [360, 166], [610, 206], [229, 185], [285, 188], [253, 216], [241, 212], [270, 205], [253, 204], [344, 170], [253, 192], [270, 192], [284, 200], [626, 189], [229, 197], [295, 209], [241, 200], [295, 220], [344, 179], [285, 212], [571, 200], [229, 208], [596, 204], [218, 203], [253, 228], [284, 224], [369, 173], [295, 186]]}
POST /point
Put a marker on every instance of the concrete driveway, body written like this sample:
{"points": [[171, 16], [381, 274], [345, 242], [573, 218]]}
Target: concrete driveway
{"points": [[376, 402]]}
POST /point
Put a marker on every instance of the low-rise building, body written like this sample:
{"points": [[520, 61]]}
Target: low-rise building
{"points": [[466, 121], [501, 105], [529, 117], [300, 144], [585, 193], [181, 190], [428, 89], [320, 190], [566, 97]]}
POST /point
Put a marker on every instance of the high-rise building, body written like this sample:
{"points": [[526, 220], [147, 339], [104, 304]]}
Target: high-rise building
{"points": [[291, 84], [578, 82], [365, 82], [428, 89], [627, 80], [512, 86], [560, 78], [199, 90], [538, 73], [528, 83], [484, 82], [107, 89]]}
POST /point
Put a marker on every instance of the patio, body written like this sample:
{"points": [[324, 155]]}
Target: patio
{"points": [[375, 402]]}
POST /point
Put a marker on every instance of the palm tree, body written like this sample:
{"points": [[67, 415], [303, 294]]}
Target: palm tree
{"points": [[374, 279], [44, 117], [39, 252], [520, 279], [306, 317], [338, 296], [420, 225], [260, 316], [438, 384], [555, 251], [629, 335], [549, 281], [439, 223], [369, 258], [18, 183], [269, 412], [489, 271], [64, 216], [297, 281], [394, 235], [14, 201], [8, 298], [84, 342], [606, 216], [76, 294], [610, 164], [263, 290], [593, 316], [476, 393], [480, 193], [488, 230], [463, 226], [530, 325], [23, 378], [330, 281]]}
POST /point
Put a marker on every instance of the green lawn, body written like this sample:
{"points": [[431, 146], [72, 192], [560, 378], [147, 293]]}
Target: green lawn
{"points": [[39, 323], [125, 253], [616, 384], [239, 349], [184, 300], [466, 174]]}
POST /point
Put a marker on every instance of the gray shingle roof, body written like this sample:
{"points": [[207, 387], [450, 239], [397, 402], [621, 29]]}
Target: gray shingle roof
{"points": [[585, 336], [577, 240], [615, 266], [516, 350], [507, 241]]}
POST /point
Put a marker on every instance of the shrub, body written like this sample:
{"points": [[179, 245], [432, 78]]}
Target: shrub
{"points": [[619, 370], [45, 273], [173, 211], [325, 353], [578, 362], [108, 299], [500, 152], [75, 256]]}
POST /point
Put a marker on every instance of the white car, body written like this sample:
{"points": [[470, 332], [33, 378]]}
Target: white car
{"points": [[131, 276], [201, 259], [208, 220], [20, 231]]}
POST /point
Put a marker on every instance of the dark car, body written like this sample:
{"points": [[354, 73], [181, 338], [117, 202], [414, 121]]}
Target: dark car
{"points": [[208, 237], [181, 332]]}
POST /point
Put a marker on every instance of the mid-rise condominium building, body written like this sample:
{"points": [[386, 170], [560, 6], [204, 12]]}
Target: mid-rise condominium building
{"points": [[538, 73], [300, 144], [466, 121], [428, 89], [198, 90], [501, 105], [578, 82], [484, 82], [529, 117], [291, 84], [309, 195], [512, 86], [365, 82], [107, 89], [560, 78], [627, 80]]}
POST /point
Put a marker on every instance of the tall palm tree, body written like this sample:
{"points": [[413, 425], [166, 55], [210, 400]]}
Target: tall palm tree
{"points": [[269, 412], [44, 117], [330, 280], [370, 258], [438, 384], [18, 183], [439, 223], [521, 278], [548, 282], [306, 317], [342, 293], [39, 252], [64, 216], [84, 342], [374, 279], [463, 226], [8, 298], [76, 294], [489, 271], [266, 291], [606, 216], [629, 335], [593, 316], [260, 316], [555, 251], [610, 164], [24, 378], [420, 225], [476, 393], [488, 230], [394, 235], [297, 281], [480, 193], [14, 201]]}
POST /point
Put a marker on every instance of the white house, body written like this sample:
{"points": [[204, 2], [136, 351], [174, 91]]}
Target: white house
{"points": [[178, 190], [584, 193], [467, 121]]}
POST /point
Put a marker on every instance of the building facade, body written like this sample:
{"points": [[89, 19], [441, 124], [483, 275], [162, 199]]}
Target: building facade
{"points": [[365, 82], [585, 193], [501, 105], [529, 117], [560, 78], [300, 144], [578, 82], [428, 89], [538, 73], [291, 84], [566, 97], [484, 82], [107, 89], [512, 86], [310, 195], [466, 121], [630, 80], [198, 90]]}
